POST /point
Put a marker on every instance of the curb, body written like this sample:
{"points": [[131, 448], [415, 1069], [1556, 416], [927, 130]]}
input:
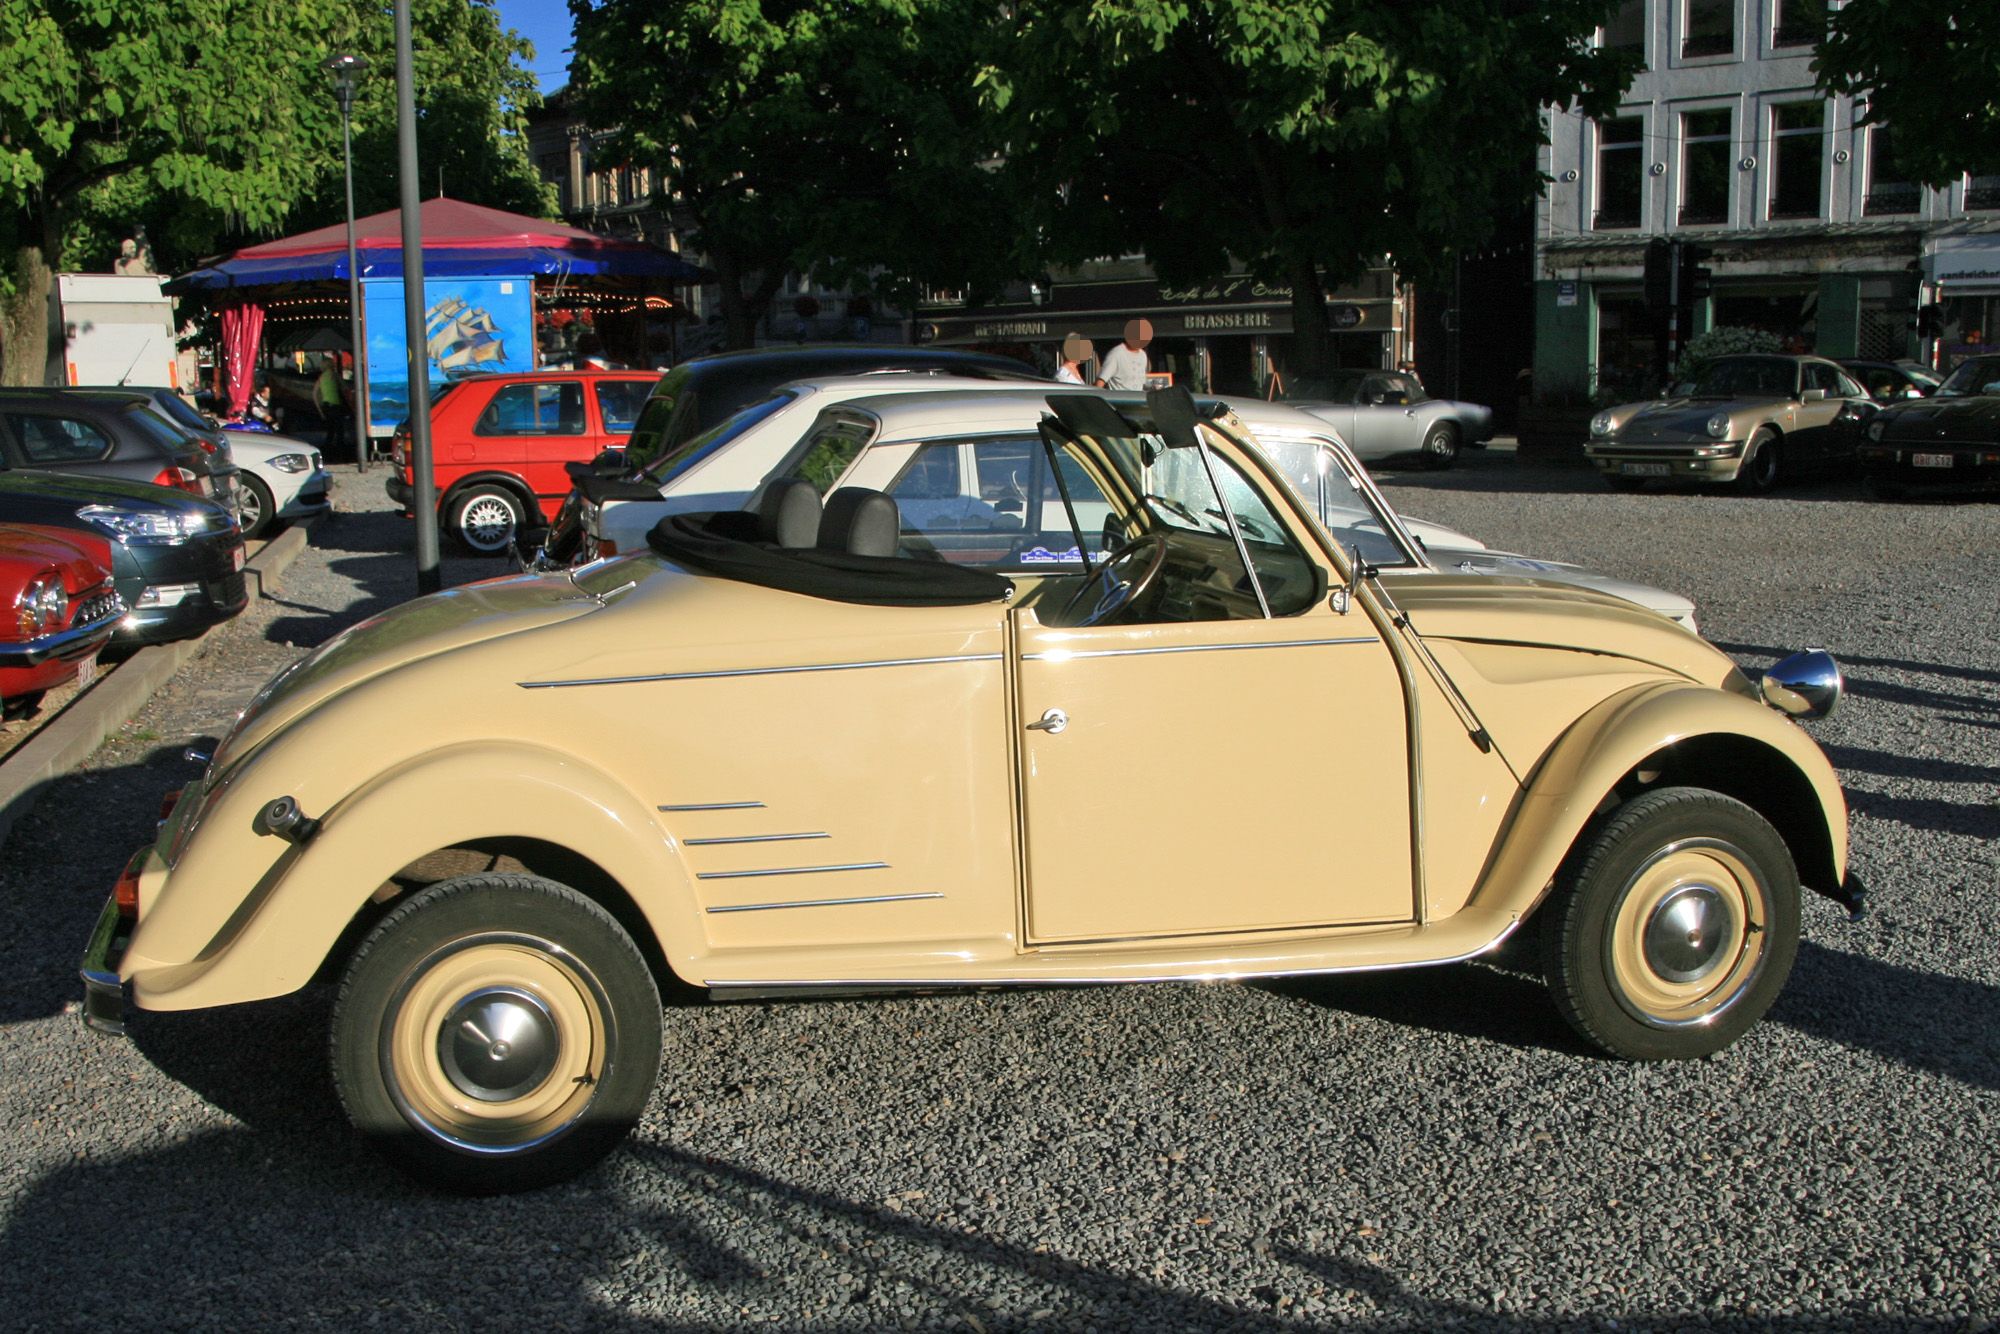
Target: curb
{"points": [[73, 735]]}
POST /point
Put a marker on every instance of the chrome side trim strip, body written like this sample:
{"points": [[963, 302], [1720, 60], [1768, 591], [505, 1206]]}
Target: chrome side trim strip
{"points": [[1063, 655], [865, 984], [716, 806], [825, 903], [751, 838], [791, 870], [757, 671]]}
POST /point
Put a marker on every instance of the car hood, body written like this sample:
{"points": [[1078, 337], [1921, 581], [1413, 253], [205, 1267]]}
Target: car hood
{"points": [[1542, 613], [402, 635], [1971, 419], [1485, 562], [83, 560], [1677, 418]]}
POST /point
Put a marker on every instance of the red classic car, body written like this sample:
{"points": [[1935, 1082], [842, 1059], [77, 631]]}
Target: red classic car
{"points": [[57, 608], [499, 442]]}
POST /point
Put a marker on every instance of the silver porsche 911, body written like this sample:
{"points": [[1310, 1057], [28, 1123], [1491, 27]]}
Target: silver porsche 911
{"points": [[1381, 414]]}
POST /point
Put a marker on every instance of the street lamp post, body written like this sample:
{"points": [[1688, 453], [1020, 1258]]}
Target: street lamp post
{"points": [[344, 71]]}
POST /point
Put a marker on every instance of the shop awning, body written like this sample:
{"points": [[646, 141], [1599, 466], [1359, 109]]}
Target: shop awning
{"points": [[1960, 263], [460, 241]]}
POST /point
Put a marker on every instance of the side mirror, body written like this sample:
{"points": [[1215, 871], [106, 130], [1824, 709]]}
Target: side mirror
{"points": [[1813, 396], [1806, 685]]}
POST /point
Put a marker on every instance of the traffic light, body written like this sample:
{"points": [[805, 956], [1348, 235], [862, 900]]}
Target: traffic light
{"points": [[1659, 273], [1697, 281]]}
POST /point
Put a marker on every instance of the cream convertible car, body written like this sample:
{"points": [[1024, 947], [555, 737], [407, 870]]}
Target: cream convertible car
{"points": [[771, 757]]}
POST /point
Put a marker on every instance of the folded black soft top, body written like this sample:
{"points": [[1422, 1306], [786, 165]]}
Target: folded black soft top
{"points": [[724, 544]]}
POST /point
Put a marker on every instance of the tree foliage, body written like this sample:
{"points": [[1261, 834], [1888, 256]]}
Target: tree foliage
{"points": [[1300, 138], [840, 137], [1931, 69], [210, 121]]}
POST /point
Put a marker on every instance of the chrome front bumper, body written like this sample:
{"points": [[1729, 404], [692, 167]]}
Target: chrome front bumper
{"points": [[103, 990]]}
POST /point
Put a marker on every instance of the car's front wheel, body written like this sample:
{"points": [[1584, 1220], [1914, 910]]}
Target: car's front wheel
{"points": [[1673, 927], [1441, 446], [496, 1033], [1762, 462], [256, 508], [485, 519]]}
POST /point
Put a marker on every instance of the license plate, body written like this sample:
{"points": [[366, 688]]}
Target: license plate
{"points": [[236, 558], [1647, 469], [1931, 460]]}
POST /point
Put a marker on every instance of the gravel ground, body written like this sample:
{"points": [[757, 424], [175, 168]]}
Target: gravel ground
{"points": [[1403, 1151]]}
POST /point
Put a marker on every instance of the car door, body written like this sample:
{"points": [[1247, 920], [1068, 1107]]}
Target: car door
{"points": [[1812, 435], [1212, 770], [529, 428], [1384, 420]]}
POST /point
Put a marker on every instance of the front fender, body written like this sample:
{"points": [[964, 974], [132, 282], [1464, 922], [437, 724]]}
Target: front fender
{"points": [[275, 939], [1612, 739]]}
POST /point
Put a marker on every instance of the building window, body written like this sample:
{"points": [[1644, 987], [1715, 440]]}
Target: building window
{"points": [[1982, 192], [1621, 169], [1889, 188], [1706, 166], [1625, 26], [1799, 23], [1798, 131], [1710, 29]]}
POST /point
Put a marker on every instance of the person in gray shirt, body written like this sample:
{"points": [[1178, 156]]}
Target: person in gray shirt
{"points": [[1125, 366]]}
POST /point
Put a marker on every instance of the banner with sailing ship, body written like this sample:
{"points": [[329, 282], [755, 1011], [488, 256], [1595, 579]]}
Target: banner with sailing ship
{"points": [[472, 326]]}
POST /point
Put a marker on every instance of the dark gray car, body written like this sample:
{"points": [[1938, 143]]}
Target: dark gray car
{"points": [[109, 433]]}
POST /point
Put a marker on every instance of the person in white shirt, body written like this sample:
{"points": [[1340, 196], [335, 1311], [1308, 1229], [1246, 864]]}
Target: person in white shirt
{"points": [[1075, 351], [1125, 366]]}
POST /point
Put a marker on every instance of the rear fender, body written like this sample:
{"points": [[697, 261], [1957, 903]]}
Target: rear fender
{"points": [[1702, 737], [274, 943]]}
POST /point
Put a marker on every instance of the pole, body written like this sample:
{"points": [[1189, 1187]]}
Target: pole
{"points": [[356, 338], [429, 578]]}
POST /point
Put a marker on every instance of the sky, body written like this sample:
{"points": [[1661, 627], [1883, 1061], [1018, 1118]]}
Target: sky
{"points": [[546, 24]]}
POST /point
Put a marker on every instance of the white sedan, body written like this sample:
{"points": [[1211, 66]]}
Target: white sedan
{"points": [[282, 480]]}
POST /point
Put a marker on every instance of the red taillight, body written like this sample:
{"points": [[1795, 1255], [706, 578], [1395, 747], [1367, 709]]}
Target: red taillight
{"points": [[168, 802], [207, 446], [606, 547], [180, 479], [127, 890]]}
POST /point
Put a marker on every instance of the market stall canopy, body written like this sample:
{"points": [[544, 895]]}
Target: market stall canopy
{"points": [[460, 241]]}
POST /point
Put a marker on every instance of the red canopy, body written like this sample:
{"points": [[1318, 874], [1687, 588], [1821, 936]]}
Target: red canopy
{"points": [[448, 224]]}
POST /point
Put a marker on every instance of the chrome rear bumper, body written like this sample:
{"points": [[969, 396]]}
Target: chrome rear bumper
{"points": [[103, 990]]}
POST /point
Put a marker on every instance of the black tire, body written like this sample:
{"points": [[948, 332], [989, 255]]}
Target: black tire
{"points": [[1763, 461], [484, 519], [582, 1033], [259, 509], [1612, 950], [1441, 446], [1623, 484]]}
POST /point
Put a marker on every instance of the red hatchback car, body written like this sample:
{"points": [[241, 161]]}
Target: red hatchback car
{"points": [[499, 442], [57, 608]]}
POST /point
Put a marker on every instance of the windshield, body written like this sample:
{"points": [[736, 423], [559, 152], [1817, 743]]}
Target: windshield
{"points": [[1747, 377], [1979, 378], [1332, 493], [699, 447]]}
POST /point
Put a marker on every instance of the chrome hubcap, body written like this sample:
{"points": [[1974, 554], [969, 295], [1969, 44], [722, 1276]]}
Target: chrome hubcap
{"points": [[499, 1043], [1688, 933], [486, 522]]}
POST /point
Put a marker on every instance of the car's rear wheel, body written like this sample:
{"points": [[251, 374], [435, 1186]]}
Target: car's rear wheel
{"points": [[1673, 927], [256, 508], [496, 1033], [485, 519], [1441, 446], [1762, 462]]}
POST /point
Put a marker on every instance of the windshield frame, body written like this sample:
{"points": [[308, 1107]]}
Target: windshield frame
{"points": [[1415, 556], [1945, 389]]}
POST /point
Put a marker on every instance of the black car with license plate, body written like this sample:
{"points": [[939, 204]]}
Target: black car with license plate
{"points": [[1951, 439], [176, 559]]}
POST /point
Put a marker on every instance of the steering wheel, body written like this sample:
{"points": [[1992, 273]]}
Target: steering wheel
{"points": [[1124, 577]]}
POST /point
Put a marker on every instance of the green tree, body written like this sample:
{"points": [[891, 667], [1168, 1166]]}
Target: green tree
{"points": [[1302, 140], [210, 122], [1931, 69], [841, 137]]}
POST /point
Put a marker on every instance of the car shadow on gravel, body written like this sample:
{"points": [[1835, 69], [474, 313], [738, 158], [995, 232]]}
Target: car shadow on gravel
{"points": [[1500, 1000], [1947, 1025]]}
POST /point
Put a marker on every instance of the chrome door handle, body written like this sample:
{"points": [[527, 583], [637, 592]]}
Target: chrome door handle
{"points": [[1052, 721]]}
